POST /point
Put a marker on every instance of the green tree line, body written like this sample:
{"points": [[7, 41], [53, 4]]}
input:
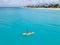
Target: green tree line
{"points": [[45, 6]]}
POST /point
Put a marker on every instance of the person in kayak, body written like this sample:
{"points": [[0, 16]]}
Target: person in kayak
{"points": [[28, 33]]}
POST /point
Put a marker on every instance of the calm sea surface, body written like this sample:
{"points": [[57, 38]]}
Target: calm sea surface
{"points": [[14, 21]]}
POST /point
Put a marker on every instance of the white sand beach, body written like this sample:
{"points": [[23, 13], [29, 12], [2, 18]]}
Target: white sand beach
{"points": [[48, 8]]}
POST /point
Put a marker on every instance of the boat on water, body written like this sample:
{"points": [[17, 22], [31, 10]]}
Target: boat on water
{"points": [[27, 33]]}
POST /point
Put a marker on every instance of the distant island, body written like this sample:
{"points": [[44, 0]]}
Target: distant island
{"points": [[44, 6]]}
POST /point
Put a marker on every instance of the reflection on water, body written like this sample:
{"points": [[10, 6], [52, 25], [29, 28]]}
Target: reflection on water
{"points": [[15, 21]]}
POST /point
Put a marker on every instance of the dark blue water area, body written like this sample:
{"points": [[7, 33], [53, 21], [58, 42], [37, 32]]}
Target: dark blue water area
{"points": [[14, 21]]}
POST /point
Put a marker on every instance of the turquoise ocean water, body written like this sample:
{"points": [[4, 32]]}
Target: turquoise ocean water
{"points": [[14, 21]]}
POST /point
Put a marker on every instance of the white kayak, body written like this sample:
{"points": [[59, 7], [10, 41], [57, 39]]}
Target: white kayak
{"points": [[27, 33]]}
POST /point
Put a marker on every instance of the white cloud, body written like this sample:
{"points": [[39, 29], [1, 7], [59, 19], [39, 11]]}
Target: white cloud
{"points": [[25, 2]]}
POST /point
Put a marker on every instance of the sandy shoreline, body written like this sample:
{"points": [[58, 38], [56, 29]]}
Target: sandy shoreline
{"points": [[47, 8]]}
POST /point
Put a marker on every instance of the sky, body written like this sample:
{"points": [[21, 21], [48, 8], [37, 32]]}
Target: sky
{"points": [[12, 3]]}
